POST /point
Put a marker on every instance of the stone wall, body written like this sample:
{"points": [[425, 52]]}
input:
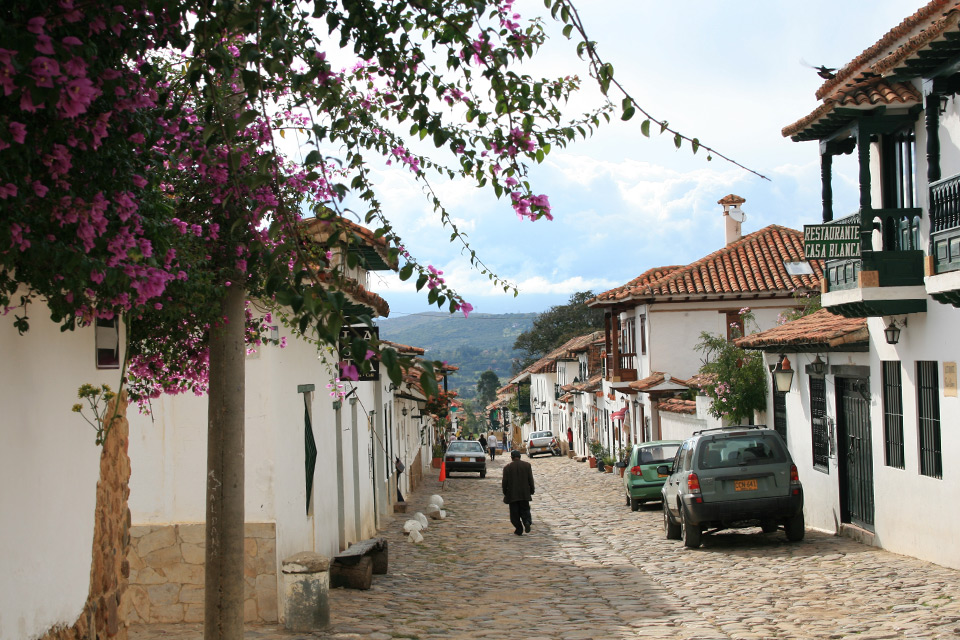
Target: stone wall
{"points": [[101, 617], [166, 573]]}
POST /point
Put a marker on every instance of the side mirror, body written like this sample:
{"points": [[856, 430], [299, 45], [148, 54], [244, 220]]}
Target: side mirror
{"points": [[664, 470]]}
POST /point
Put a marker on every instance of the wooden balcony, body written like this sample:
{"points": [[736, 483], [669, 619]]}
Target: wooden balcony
{"points": [[886, 279], [944, 262], [623, 369]]}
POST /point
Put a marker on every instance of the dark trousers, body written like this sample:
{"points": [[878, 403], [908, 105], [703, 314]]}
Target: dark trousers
{"points": [[520, 514]]}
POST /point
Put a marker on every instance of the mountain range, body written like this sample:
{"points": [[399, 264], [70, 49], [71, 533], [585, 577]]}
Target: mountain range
{"points": [[482, 341]]}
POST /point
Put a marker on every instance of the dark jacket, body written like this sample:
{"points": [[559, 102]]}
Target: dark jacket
{"points": [[517, 481]]}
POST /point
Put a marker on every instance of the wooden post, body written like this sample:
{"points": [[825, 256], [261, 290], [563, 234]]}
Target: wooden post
{"points": [[932, 116], [223, 591]]}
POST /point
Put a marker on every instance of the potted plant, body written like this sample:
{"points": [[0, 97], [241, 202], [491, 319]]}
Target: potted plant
{"points": [[437, 455], [595, 450], [608, 463]]}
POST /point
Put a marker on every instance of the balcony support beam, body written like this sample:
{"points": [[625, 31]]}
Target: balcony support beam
{"points": [[933, 137]]}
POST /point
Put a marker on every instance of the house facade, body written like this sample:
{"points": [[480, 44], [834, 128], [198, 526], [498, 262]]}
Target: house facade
{"points": [[654, 322], [894, 265], [320, 464]]}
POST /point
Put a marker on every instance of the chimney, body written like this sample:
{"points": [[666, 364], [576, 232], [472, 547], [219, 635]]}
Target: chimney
{"points": [[733, 217]]}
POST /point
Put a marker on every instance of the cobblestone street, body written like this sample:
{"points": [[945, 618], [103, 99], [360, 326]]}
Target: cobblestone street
{"points": [[591, 568]]}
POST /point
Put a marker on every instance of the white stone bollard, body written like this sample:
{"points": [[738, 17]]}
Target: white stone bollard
{"points": [[305, 580], [412, 525], [437, 500], [415, 537], [422, 519]]}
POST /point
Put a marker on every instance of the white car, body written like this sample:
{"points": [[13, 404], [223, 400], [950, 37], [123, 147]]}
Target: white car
{"points": [[542, 442]]}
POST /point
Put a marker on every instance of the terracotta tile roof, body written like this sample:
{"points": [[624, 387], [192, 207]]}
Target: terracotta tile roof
{"points": [[567, 397], [358, 294], [752, 264], [864, 95], [639, 283], [545, 364], [912, 46], [404, 348], [583, 342], [507, 388], [590, 385], [900, 36], [657, 378], [321, 230], [700, 380], [821, 328], [548, 363], [677, 405]]}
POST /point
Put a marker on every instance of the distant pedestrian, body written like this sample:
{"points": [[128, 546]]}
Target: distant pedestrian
{"points": [[492, 444], [483, 441], [517, 485], [570, 437]]}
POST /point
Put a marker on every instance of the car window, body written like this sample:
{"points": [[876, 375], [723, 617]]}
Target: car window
{"points": [[541, 434], [462, 447], [658, 454], [687, 456], [739, 451], [678, 461]]}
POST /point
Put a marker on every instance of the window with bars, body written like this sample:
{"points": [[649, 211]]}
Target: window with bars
{"points": [[780, 413], [928, 409], [819, 430], [107, 340], [893, 414], [643, 335], [734, 323]]}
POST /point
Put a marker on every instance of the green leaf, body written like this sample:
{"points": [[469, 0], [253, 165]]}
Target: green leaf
{"points": [[677, 140], [628, 113], [695, 143], [567, 30], [645, 128], [406, 271]]}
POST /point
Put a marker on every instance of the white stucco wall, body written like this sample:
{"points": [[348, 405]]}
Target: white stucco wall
{"points": [[168, 454], [49, 466], [914, 514], [679, 426]]}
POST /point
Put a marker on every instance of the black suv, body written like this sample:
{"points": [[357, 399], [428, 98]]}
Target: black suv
{"points": [[730, 478]]}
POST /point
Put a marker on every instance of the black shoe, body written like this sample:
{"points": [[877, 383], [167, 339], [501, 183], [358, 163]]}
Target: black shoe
{"points": [[518, 532], [526, 527]]}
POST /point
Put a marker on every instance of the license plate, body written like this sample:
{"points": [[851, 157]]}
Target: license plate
{"points": [[661, 475], [465, 459], [745, 485]]}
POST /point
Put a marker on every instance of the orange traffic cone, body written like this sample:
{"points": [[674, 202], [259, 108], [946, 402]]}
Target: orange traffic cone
{"points": [[443, 471]]}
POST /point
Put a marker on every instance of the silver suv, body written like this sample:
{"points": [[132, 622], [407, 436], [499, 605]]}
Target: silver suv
{"points": [[730, 478]]}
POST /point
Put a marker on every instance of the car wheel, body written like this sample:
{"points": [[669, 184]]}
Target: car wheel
{"points": [[483, 474], [671, 530], [795, 528], [635, 504], [692, 533], [769, 526]]}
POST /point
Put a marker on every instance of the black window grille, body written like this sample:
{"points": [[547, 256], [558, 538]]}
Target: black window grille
{"points": [[928, 406], [780, 413], [893, 415], [819, 430]]}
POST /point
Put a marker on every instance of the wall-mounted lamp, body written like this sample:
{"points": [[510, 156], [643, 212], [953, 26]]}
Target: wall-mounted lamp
{"points": [[892, 332], [818, 367], [783, 375], [392, 387], [403, 412], [944, 100]]}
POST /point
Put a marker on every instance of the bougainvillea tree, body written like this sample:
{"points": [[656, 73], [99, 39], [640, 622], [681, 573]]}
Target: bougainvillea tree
{"points": [[142, 173]]}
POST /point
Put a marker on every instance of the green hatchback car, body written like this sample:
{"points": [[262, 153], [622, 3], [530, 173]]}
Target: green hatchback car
{"points": [[641, 482]]}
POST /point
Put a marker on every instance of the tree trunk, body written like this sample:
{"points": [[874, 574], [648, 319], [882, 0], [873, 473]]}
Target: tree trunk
{"points": [[223, 594]]}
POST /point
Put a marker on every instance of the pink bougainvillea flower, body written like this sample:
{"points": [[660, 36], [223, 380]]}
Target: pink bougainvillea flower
{"points": [[35, 25], [8, 190], [72, 41], [44, 45], [348, 371], [370, 353], [467, 308], [39, 189], [26, 103], [44, 70], [18, 131]]}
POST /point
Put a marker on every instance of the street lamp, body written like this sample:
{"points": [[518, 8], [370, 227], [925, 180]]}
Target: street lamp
{"points": [[818, 366], [892, 332], [403, 412], [783, 375]]}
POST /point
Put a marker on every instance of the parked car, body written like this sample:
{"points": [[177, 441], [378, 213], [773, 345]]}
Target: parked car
{"points": [[466, 455], [729, 478], [641, 480], [542, 442]]}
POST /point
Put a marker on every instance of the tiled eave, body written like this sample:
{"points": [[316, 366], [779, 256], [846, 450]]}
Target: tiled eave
{"points": [[821, 331], [850, 104], [897, 39], [677, 405]]}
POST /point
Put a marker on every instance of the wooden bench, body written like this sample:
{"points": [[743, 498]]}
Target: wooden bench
{"points": [[354, 568]]}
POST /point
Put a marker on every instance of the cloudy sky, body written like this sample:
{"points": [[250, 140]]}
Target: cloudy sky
{"points": [[725, 71]]}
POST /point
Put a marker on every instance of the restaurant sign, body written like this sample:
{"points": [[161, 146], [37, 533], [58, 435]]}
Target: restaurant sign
{"points": [[369, 334], [831, 241]]}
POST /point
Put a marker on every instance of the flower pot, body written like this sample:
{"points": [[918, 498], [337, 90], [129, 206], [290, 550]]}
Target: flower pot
{"points": [[609, 469], [593, 462], [622, 469], [435, 463]]}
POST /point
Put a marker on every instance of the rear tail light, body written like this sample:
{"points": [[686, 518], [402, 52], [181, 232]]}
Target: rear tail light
{"points": [[794, 476], [636, 471], [554, 441], [449, 458], [693, 483]]}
